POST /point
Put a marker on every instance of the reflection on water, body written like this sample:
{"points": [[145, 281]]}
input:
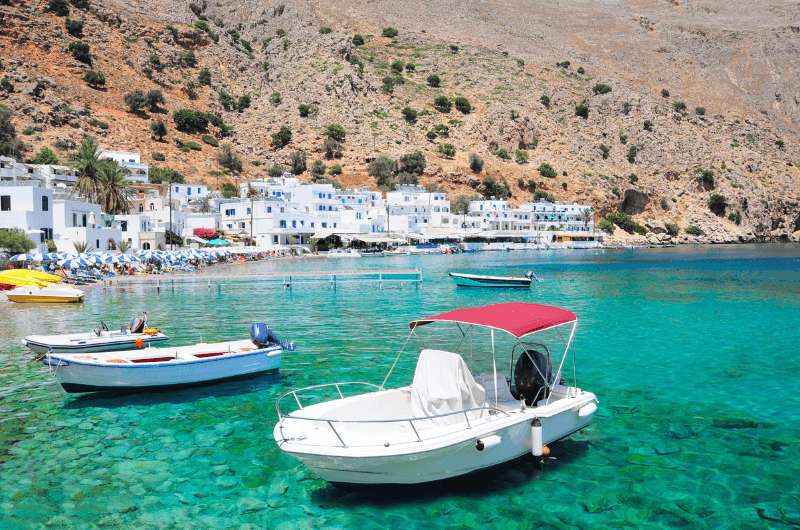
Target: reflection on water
{"points": [[691, 351]]}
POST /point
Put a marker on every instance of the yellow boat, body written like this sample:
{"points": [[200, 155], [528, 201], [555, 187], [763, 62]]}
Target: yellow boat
{"points": [[38, 287]]}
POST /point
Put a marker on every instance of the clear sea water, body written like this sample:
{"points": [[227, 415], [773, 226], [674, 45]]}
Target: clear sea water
{"points": [[694, 354]]}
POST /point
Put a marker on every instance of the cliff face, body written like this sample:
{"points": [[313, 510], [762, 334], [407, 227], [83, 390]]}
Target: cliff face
{"points": [[641, 148]]}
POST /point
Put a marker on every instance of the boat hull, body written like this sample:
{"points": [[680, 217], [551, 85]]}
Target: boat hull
{"points": [[41, 345], [76, 375], [475, 281], [49, 295], [442, 461]]}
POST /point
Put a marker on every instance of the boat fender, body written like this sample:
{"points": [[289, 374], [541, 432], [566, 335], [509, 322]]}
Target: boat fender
{"points": [[537, 446], [587, 410], [139, 343], [487, 442]]}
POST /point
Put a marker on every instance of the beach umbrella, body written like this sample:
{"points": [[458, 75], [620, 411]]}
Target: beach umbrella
{"points": [[22, 257], [73, 263], [51, 256], [94, 260]]}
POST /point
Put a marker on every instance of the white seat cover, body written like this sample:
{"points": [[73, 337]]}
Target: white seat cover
{"points": [[442, 384]]}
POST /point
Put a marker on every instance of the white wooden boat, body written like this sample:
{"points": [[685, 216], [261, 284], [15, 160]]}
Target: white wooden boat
{"points": [[136, 335], [446, 423], [343, 253], [49, 294], [152, 368], [480, 280]]}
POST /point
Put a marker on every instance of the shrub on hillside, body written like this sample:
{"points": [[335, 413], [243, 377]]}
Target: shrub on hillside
{"points": [[190, 121], [154, 100], [679, 107], [389, 32], [434, 80], [333, 149], [546, 170], [157, 175], [413, 163], [447, 150], [627, 223], [335, 131], [158, 156], [717, 204], [358, 40], [693, 230], [204, 77], [672, 229], [633, 150], [282, 137], [275, 98], [276, 170], [228, 159], [475, 163], [74, 27], [94, 78], [601, 88], [324, 30], [335, 169], [604, 151], [305, 110], [664, 93], [409, 114], [58, 7], [298, 162], [707, 179], [80, 51], [382, 168], [521, 156], [442, 104], [317, 169], [210, 140], [647, 125], [397, 66], [135, 100], [502, 152], [700, 111], [490, 187], [462, 105], [582, 110], [159, 129], [545, 100], [44, 156]]}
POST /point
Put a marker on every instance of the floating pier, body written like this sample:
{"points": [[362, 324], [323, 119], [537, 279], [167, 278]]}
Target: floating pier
{"points": [[286, 280]]}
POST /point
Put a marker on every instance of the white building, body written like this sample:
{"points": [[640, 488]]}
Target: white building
{"points": [[77, 221], [29, 207], [136, 171], [412, 210], [187, 192], [274, 223], [550, 216]]}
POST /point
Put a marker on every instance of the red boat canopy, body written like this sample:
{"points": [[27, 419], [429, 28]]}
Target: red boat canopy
{"points": [[516, 318]]}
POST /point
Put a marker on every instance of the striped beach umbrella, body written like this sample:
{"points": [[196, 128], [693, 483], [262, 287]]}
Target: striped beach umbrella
{"points": [[22, 257]]}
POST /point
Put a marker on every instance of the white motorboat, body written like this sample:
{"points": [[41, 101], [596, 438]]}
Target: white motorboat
{"points": [[49, 294], [343, 253], [136, 335], [152, 368], [446, 423], [481, 280]]}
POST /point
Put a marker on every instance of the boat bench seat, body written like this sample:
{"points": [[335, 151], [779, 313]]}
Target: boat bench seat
{"points": [[505, 400]]}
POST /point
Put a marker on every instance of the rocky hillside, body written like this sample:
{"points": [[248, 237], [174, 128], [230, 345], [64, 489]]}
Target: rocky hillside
{"points": [[683, 115]]}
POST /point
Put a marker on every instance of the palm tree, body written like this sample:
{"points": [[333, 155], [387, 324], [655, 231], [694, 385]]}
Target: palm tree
{"points": [[586, 216], [115, 195], [87, 162], [123, 246], [81, 247]]}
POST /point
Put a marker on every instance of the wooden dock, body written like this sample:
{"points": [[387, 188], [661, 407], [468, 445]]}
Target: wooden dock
{"points": [[286, 280]]}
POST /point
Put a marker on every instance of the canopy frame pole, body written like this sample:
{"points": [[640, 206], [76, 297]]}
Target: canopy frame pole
{"points": [[494, 370], [396, 359], [561, 364]]}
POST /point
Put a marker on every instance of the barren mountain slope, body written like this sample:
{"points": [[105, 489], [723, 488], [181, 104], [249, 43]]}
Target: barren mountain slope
{"points": [[737, 60]]}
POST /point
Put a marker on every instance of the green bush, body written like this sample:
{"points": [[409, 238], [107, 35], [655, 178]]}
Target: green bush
{"points": [[664, 93], [74, 27], [282, 137], [626, 222], [204, 77], [447, 150], [442, 104], [80, 51], [545, 100], [59, 7], [335, 169], [157, 175], [633, 150], [306, 110], [700, 111], [187, 58], [475, 163], [158, 156], [410, 115], [582, 110], [521, 156], [411, 67], [434, 80], [492, 188], [298, 162], [382, 168], [539, 194], [563, 64], [210, 140], [502, 152], [44, 156], [226, 100], [228, 159], [462, 104], [276, 170], [707, 179], [318, 169], [389, 32], [358, 40], [190, 121], [606, 226], [693, 230], [14, 241], [275, 98], [191, 144], [155, 99], [324, 30], [229, 190], [601, 88], [604, 151], [735, 217], [397, 66], [159, 129], [672, 229], [679, 107], [413, 163], [647, 125], [546, 170], [717, 204], [135, 100], [6, 86], [94, 78], [441, 130], [243, 103], [334, 131], [333, 149]]}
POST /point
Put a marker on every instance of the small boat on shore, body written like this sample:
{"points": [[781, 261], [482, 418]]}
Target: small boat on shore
{"points": [[479, 280], [136, 336], [446, 423], [31, 286], [343, 253], [157, 368]]}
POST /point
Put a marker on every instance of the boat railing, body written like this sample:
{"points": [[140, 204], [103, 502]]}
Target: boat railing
{"points": [[294, 393], [410, 421]]}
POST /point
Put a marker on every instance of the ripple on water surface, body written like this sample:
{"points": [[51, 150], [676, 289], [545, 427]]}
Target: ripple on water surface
{"points": [[692, 352]]}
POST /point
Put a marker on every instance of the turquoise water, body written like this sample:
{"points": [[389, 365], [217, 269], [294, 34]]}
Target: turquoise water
{"points": [[694, 354]]}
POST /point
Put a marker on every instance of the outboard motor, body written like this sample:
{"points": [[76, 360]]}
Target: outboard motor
{"points": [[137, 325], [262, 337], [532, 373]]}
